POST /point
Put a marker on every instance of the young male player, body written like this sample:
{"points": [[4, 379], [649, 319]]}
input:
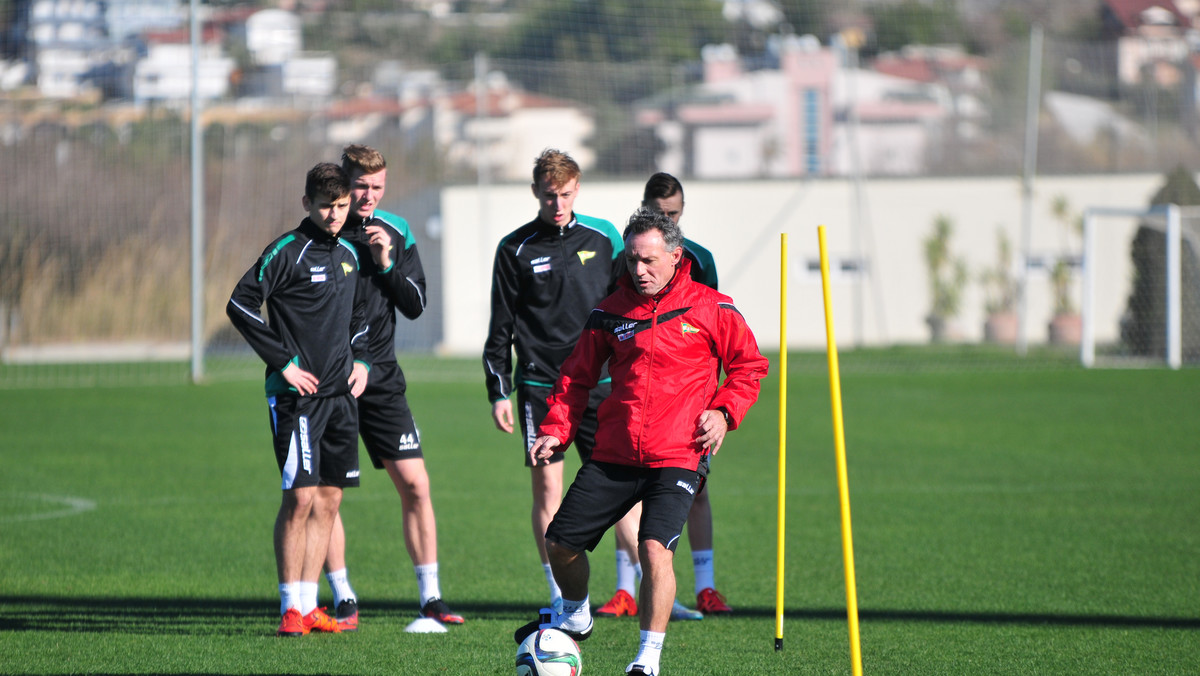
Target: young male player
{"points": [[314, 345], [546, 277], [396, 281]]}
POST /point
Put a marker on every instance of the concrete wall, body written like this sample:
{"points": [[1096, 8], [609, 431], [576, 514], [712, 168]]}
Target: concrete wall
{"points": [[741, 222]]}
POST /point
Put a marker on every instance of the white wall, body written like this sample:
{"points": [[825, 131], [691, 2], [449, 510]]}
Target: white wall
{"points": [[741, 222]]}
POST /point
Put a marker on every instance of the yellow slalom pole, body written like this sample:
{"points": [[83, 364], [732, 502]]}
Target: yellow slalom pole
{"points": [[839, 439], [782, 488]]}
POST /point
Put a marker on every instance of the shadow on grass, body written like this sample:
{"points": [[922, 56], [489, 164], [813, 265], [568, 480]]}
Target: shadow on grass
{"points": [[981, 617], [161, 616]]}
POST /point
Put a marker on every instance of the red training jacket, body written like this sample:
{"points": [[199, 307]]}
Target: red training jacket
{"points": [[665, 355]]}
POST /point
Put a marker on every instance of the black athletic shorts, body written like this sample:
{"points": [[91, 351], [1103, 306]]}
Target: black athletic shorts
{"points": [[532, 409], [603, 492], [315, 439], [384, 420]]}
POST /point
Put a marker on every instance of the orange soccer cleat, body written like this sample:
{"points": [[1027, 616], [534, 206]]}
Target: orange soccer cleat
{"points": [[619, 605], [317, 620]]}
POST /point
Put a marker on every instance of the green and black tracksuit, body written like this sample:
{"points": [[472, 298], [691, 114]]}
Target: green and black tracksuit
{"points": [[545, 282], [308, 281]]}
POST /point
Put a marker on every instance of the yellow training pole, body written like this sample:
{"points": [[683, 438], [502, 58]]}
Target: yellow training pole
{"points": [[839, 440], [782, 488]]}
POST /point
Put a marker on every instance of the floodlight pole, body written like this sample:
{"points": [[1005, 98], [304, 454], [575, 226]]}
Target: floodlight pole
{"points": [[197, 204], [1032, 106]]}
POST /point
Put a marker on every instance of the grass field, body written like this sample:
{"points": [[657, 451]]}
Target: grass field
{"points": [[1006, 521]]}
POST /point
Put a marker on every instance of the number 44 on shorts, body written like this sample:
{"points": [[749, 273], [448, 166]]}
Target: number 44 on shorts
{"points": [[409, 442]]}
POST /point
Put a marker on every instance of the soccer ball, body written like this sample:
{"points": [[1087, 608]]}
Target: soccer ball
{"points": [[549, 652]]}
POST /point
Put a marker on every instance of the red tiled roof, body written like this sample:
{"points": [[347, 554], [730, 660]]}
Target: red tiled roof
{"points": [[1129, 12], [350, 108]]}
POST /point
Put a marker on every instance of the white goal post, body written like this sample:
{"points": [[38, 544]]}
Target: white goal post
{"points": [[1174, 294]]}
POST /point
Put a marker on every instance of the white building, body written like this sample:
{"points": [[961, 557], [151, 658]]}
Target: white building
{"points": [[513, 129], [165, 74]]}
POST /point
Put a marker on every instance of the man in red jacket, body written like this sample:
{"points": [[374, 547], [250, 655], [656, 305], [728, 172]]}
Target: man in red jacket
{"points": [[665, 339]]}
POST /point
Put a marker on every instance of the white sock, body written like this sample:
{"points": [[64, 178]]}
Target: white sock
{"points": [[308, 596], [576, 615], [427, 582], [702, 564], [555, 592], [650, 649], [289, 597], [627, 574], [339, 582]]}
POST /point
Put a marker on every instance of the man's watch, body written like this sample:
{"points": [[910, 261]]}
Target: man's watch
{"points": [[728, 418]]}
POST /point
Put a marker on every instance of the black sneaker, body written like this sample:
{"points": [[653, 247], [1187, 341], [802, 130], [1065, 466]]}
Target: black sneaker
{"points": [[438, 610], [347, 615], [546, 621]]}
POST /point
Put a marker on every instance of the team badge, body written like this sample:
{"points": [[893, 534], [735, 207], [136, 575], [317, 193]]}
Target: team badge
{"points": [[585, 256], [688, 328], [347, 268]]}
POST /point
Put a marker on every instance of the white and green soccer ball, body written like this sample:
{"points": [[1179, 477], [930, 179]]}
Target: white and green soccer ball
{"points": [[549, 652]]}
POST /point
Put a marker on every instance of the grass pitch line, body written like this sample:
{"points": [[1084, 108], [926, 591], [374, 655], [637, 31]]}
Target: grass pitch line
{"points": [[71, 506]]}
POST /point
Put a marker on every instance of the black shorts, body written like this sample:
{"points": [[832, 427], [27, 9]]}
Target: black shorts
{"points": [[532, 409], [603, 492], [315, 439], [384, 420]]}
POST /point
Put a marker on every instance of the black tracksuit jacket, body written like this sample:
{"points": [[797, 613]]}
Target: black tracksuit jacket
{"points": [[545, 282], [309, 282]]}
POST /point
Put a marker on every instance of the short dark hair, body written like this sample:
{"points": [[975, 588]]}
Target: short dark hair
{"points": [[326, 179], [661, 186], [365, 159], [646, 219]]}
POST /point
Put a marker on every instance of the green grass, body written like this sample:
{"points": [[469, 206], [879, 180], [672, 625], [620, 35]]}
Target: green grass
{"points": [[1006, 521]]}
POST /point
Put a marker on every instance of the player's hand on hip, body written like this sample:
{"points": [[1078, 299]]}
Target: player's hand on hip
{"points": [[381, 245], [358, 379], [502, 415], [543, 448], [304, 382], [711, 429]]}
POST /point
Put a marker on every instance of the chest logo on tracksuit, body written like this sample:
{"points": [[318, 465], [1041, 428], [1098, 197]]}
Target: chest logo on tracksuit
{"points": [[585, 256], [688, 328], [540, 264], [624, 328], [347, 269], [318, 273]]}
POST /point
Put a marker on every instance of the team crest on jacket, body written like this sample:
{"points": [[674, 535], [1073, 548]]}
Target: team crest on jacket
{"points": [[347, 268], [688, 328], [585, 256]]}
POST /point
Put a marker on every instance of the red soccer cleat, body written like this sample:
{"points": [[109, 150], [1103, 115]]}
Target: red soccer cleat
{"points": [[710, 602], [292, 624]]}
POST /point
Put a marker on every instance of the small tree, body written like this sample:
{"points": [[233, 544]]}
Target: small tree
{"points": [[999, 287], [1063, 271], [947, 276], [1000, 295]]}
